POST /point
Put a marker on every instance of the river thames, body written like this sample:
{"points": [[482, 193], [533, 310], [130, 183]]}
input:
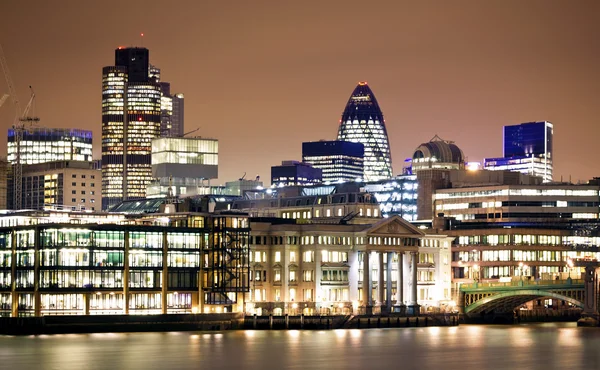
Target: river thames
{"points": [[536, 346]]}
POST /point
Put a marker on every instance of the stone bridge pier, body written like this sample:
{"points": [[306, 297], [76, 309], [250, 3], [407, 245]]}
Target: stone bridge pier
{"points": [[591, 304]]}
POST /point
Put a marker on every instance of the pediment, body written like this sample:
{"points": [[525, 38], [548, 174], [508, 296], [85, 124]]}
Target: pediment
{"points": [[394, 225]]}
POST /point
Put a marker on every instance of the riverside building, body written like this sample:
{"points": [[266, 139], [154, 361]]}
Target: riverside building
{"points": [[70, 263], [333, 268], [520, 232]]}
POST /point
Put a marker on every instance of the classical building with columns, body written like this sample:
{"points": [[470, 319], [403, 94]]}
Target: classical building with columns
{"points": [[319, 268]]}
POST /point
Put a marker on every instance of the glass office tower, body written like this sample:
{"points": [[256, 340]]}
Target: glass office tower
{"points": [[126, 169], [339, 160], [527, 149], [362, 122]]}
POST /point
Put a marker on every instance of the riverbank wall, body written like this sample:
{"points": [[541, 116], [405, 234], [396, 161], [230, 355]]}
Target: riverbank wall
{"points": [[210, 322], [119, 323], [524, 316]]}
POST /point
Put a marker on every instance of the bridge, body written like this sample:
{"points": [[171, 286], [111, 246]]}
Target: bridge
{"points": [[480, 298]]}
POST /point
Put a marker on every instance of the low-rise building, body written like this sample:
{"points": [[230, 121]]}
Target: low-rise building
{"points": [[72, 185], [68, 263], [332, 268]]}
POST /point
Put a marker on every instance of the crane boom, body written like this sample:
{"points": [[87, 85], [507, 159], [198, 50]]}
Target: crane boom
{"points": [[21, 118], [11, 86]]}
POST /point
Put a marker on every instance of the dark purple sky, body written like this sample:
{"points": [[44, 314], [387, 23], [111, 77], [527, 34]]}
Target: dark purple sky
{"points": [[263, 76]]}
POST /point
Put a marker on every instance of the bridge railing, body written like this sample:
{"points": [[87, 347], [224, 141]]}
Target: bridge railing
{"points": [[521, 283]]}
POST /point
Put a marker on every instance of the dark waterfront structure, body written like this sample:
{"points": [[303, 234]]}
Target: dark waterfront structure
{"points": [[126, 169], [109, 264], [527, 149], [339, 160], [362, 122], [292, 173]]}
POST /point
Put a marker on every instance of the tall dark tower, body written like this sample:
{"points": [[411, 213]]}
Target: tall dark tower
{"points": [[137, 62], [131, 113], [362, 122]]}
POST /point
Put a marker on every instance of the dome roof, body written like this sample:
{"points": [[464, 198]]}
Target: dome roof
{"points": [[440, 151]]}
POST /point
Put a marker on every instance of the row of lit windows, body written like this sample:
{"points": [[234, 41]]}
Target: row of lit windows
{"points": [[516, 239]]}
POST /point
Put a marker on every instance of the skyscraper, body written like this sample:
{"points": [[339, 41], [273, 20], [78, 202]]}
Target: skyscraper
{"points": [[177, 129], [339, 160], [126, 169], [362, 122], [527, 149], [171, 107]]}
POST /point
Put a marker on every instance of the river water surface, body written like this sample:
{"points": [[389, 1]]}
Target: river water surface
{"points": [[467, 347]]}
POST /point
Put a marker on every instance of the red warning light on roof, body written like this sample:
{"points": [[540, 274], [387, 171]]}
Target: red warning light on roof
{"points": [[120, 47], [142, 34]]}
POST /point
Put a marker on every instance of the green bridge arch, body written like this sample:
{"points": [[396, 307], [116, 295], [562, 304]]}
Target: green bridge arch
{"points": [[508, 301]]}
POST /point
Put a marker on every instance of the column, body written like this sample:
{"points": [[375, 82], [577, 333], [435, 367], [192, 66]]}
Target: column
{"points": [[165, 272], [126, 274], [400, 281], [86, 303], [13, 274], [414, 306], [36, 275], [380, 282], [388, 282], [201, 285], [366, 288], [590, 306]]}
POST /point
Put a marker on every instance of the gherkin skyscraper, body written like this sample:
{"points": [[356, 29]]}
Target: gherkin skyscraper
{"points": [[362, 122]]}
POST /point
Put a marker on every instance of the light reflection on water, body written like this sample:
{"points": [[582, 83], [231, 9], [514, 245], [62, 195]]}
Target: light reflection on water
{"points": [[543, 346]]}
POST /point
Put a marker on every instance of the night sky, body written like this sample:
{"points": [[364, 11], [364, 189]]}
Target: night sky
{"points": [[264, 76]]}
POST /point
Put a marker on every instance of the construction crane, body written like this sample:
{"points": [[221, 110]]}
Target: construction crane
{"points": [[190, 132], [23, 124], [22, 119]]}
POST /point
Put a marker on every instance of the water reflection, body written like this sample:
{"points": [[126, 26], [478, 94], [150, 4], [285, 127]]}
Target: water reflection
{"points": [[554, 346]]}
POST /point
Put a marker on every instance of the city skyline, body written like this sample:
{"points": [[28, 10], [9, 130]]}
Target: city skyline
{"points": [[245, 79]]}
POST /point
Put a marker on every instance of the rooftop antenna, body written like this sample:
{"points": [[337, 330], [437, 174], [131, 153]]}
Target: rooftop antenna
{"points": [[142, 39]]}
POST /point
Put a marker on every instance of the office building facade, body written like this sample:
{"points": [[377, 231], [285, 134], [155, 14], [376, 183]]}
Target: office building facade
{"points": [[362, 122], [40, 145], [131, 113], [57, 263], [338, 160], [292, 173], [68, 185], [185, 164], [528, 149]]}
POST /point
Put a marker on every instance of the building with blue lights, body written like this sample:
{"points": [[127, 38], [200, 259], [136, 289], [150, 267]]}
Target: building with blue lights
{"points": [[292, 173], [339, 160], [362, 122], [41, 145], [527, 149]]}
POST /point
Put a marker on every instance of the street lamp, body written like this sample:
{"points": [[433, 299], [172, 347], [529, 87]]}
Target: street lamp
{"points": [[570, 266], [476, 273], [521, 271]]}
